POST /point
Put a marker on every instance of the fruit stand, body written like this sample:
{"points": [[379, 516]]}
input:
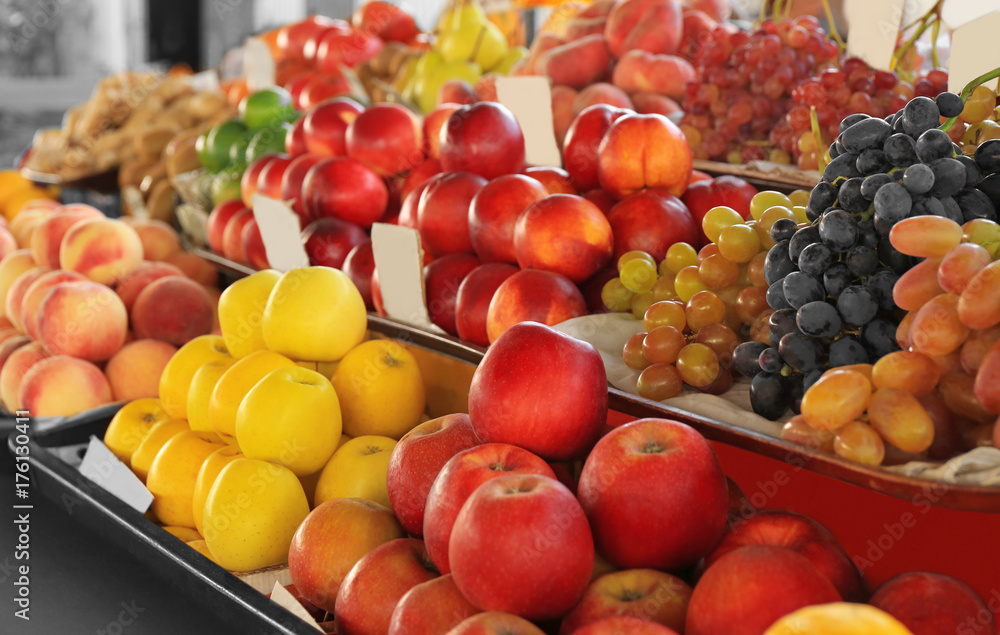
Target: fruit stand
{"points": [[644, 316]]}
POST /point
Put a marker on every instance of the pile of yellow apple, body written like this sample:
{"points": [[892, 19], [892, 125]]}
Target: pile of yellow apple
{"points": [[468, 47], [289, 407]]}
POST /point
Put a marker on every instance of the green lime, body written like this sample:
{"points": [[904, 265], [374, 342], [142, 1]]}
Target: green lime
{"points": [[215, 148], [238, 150], [265, 107], [226, 186], [265, 141]]}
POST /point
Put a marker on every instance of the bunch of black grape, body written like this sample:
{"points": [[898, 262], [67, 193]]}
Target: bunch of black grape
{"points": [[831, 283]]}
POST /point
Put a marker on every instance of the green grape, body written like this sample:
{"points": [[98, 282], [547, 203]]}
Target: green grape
{"points": [[984, 233], [638, 275], [717, 219], [799, 198], [641, 303], [688, 282], [615, 296], [763, 201], [664, 288], [634, 255], [739, 243], [680, 255], [800, 214]]}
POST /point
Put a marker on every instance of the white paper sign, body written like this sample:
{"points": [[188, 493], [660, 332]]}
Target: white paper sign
{"points": [[281, 233], [281, 597], [530, 99], [970, 58], [258, 64], [194, 223], [133, 199], [874, 29], [399, 261], [955, 13], [102, 467]]}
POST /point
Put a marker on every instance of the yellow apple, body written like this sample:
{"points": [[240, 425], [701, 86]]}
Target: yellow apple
{"points": [[380, 388], [201, 546], [357, 470], [314, 313], [200, 393], [159, 434], [241, 312], [235, 383], [176, 378], [173, 474], [209, 471], [251, 514], [131, 424], [290, 417], [184, 534]]}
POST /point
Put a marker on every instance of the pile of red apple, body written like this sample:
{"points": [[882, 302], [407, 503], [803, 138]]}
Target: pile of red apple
{"points": [[626, 53], [503, 242], [530, 513]]}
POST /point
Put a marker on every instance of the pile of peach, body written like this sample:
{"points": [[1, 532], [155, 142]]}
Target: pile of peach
{"points": [[92, 308]]}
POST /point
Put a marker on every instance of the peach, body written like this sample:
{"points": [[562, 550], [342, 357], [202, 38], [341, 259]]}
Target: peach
{"points": [[387, 137], [134, 371], [103, 250], [457, 91], [232, 237], [33, 297], [82, 319], [601, 93], [159, 240], [583, 139], [554, 180], [577, 64], [563, 233], [63, 386], [718, 10], [16, 294], [432, 125], [49, 232], [604, 201], [22, 226], [473, 300], [653, 103], [563, 98], [172, 309], [11, 268], [11, 344], [650, 25], [12, 373], [217, 221], [443, 212], [195, 267], [253, 245], [652, 221], [644, 151], [698, 28], [495, 210], [418, 176], [535, 295], [580, 27], [8, 244], [129, 287], [641, 71], [486, 87], [597, 9]]}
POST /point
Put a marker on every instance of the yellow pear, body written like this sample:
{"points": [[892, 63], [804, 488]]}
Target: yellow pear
{"points": [[290, 417], [251, 514], [512, 57], [131, 424], [175, 381], [357, 470], [241, 312], [159, 434], [209, 471], [200, 392], [491, 47], [235, 383], [463, 14], [173, 474]]}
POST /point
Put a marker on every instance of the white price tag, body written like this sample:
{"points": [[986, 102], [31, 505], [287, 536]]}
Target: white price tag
{"points": [[258, 64], [281, 233], [133, 200], [102, 467], [969, 57], [955, 13], [874, 29], [399, 261], [281, 597], [194, 223], [530, 99]]}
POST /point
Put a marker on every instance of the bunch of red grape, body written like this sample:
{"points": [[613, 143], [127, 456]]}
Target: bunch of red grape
{"points": [[746, 84], [835, 93]]}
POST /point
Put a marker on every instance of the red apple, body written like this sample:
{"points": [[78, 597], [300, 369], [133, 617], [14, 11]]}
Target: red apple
{"points": [[442, 278], [321, 87], [329, 241], [798, 533], [331, 540], [417, 460], [232, 237], [583, 140], [644, 594], [536, 296], [459, 478], [375, 585], [420, 175], [643, 151], [292, 180], [624, 625], [556, 410], [311, 47], [930, 603], [655, 495], [496, 623], [473, 301], [433, 123], [346, 189], [270, 178], [730, 191], [522, 544], [388, 137], [248, 182], [563, 233], [325, 126], [554, 180], [431, 608], [346, 48], [218, 219], [737, 595], [494, 212], [359, 267], [443, 213], [253, 246], [295, 137], [484, 139], [292, 38], [652, 221]]}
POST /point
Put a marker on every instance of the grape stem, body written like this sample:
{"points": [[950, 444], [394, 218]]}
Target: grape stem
{"points": [[967, 92], [935, 32], [833, 25], [931, 18]]}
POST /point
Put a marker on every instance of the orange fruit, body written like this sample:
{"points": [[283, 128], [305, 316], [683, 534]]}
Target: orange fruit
{"points": [[16, 202]]}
